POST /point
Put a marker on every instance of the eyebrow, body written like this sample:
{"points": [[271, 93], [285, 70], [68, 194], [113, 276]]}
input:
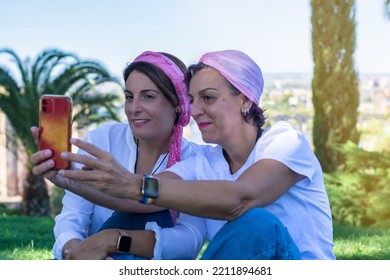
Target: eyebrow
{"points": [[207, 89], [142, 91]]}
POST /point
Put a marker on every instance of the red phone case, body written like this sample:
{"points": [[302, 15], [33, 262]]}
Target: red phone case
{"points": [[55, 118]]}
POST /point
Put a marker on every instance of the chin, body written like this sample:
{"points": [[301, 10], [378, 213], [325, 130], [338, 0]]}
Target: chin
{"points": [[209, 140]]}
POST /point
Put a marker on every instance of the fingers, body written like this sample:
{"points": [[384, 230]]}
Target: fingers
{"points": [[43, 168], [86, 160], [41, 162], [101, 160], [40, 156], [90, 148], [35, 134], [80, 175]]}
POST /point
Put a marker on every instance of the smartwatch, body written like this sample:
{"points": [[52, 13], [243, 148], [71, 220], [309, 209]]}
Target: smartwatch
{"points": [[124, 243], [150, 187]]}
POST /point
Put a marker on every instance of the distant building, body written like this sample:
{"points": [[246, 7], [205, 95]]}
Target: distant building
{"points": [[12, 165], [381, 101]]}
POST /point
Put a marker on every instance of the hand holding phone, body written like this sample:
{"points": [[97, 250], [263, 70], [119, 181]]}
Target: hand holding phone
{"points": [[55, 119]]}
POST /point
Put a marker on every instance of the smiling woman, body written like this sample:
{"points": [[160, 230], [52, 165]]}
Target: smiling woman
{"points": [[157, 109], [268, 181]]}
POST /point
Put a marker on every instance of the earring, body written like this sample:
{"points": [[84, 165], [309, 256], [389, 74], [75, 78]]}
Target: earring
{"points": [[245, 111]]}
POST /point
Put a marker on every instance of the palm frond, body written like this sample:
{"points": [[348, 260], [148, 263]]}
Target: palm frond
{"points": [[54, 72], [387, 9]]}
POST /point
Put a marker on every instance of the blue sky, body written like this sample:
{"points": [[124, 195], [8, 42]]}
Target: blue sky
{"points": [[276, 33]]}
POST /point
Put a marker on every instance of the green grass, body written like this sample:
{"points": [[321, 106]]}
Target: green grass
{"points": [[352, 243], [29, 238], [26, 238]]}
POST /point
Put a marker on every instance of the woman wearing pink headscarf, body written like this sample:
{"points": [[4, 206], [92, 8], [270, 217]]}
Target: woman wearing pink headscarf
{"points": [[157, 109], [260, 191]]}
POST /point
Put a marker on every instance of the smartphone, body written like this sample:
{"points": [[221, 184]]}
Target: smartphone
{"points": [[55, 126]]}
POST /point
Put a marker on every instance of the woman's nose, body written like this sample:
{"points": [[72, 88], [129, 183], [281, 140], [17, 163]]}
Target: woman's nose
{"points": [[195, 109], [135, 105]]}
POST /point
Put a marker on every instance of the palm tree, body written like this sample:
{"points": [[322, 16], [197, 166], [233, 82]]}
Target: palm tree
{"points": [[88, 83]]}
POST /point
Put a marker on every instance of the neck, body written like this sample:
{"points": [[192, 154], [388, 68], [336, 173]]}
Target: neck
{"points": [[238, 149], [148, 155]]}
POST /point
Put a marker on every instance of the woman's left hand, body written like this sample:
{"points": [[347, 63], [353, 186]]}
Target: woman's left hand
{"points": [[95, 247], [102, 172]]}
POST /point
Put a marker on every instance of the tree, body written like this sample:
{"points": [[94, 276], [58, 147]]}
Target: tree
{"points": [[335, 81], [52, 72], [387, 8]]}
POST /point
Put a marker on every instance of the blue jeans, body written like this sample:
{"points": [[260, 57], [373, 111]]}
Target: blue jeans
{"points": [[135, 221], [256, 235]]}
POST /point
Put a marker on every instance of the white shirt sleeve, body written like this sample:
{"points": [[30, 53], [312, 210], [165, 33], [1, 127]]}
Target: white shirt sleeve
{"points": [[183, 241], [284, 143], [73, 221], [77, 218]]}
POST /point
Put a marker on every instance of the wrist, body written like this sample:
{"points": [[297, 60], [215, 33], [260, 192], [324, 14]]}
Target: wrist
{"points": [[110, 239], [134, 192], [150, 189]]}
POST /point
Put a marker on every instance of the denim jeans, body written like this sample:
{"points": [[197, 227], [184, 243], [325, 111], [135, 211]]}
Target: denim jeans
{"points": [[135, 221], [256, 235]]}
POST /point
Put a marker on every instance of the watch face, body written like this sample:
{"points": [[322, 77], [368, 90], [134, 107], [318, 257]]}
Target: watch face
{"points": [[124, 244], [150, 187]]}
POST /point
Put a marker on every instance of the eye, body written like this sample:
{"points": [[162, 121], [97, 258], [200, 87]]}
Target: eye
{"points": [[191, 99], [208, 98], [128, 97], [149, 96]]}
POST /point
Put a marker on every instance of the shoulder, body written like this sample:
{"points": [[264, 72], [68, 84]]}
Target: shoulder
{"points": [[285, 143], [282, 138], [282, 133], [282, 128], [190, 148]]}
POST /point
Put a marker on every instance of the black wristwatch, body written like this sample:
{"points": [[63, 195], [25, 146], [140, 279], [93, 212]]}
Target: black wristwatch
{"points": [[150, 187], [124, 243]]}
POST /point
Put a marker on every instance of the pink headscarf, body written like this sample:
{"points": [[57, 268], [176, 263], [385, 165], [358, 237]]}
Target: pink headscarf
{"points": [[177, 77], [239, 69]]}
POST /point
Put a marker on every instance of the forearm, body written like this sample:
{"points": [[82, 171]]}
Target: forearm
{"points": [[120, 204], [211, 199], [222, 200], [142, 242], [227, 200]]}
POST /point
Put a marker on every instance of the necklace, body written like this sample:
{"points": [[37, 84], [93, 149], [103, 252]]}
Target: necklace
{"points": [[136, 161]]}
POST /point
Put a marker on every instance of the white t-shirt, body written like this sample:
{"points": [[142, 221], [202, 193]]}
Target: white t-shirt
{"points": [[304, 209], [79, 218]]}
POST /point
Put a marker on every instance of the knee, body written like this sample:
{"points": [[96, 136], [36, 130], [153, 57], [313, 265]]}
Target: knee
{"points": [[258, 217]]}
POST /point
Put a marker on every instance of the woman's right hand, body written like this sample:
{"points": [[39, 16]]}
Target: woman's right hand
{"points": [[43, 164]]}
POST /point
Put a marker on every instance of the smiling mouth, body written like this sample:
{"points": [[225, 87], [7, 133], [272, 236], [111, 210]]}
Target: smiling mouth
{"points": [[203, 124], [139, 121]]}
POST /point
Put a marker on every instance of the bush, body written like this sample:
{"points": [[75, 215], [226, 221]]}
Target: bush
{"points": [[56, 201], [359, 192]]}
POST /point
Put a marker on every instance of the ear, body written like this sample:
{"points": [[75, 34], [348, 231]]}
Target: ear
{"points": [[246, 103]]}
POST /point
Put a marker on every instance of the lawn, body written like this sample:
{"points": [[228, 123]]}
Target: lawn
{"points": [[28, 238]]}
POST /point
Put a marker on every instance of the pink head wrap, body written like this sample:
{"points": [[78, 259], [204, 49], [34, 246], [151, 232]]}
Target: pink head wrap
{"points": [[239, 69], [177, 77]]}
